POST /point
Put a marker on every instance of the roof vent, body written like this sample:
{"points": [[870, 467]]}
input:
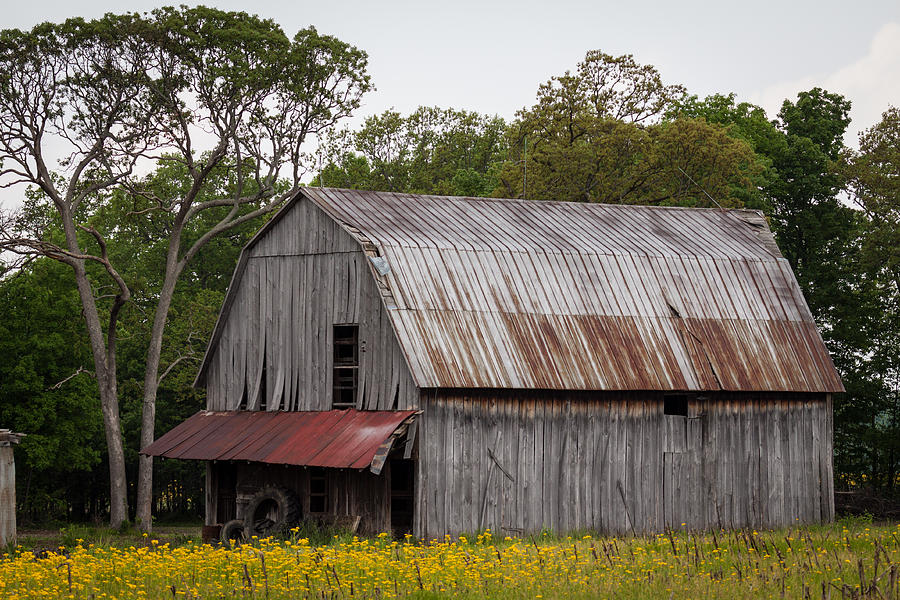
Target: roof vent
{"points": [[381, 265]]}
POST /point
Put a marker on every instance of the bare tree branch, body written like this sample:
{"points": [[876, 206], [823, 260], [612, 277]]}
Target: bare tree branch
{"points": [[78, 372], [175, 363]]}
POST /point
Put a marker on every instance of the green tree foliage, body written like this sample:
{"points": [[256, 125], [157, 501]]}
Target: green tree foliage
{"points": [[47, 390], [812, 224], [598, 136], [431, 151], [872, 438], [873, 173], [199, 88], [743, 121]]}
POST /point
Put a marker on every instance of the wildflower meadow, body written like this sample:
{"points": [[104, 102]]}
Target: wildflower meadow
{"points": [[855, 560]]}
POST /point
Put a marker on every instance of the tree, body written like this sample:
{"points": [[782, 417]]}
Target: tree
{"points": [[599, 136], [873, 175], [197, 87], [743, 121], [610, 87], [814, 229], [829, 245], [431, 151]]}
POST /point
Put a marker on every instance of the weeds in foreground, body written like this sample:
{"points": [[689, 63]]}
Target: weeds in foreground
{"points": [[846, 560]]}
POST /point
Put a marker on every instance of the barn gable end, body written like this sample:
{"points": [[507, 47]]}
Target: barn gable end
{"points": [[271, 348]]}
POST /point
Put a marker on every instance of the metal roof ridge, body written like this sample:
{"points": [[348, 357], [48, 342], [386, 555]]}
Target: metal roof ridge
{"points": [[401, 195]]}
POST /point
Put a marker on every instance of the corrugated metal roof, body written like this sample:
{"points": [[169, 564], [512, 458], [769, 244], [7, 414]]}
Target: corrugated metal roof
{"points": [[336, 438], [525, 294]]}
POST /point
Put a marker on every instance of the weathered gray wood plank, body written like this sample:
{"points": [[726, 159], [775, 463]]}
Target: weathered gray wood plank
{"points": [[7, 493]]}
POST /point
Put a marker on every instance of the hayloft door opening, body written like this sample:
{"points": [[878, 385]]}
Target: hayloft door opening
{"points": [[402, 474], [345, 377]]}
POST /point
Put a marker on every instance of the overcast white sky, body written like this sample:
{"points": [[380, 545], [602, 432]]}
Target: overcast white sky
{"points": [[491, 56]]}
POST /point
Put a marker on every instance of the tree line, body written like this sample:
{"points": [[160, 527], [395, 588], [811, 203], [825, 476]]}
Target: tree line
{"points": [[114, 272]]}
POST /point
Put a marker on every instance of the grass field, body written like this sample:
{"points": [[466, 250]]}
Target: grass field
{"points": [[844, 560]]}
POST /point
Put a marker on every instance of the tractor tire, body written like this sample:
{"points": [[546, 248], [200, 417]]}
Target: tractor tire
{"points": [[232, 533], [271, 511]]}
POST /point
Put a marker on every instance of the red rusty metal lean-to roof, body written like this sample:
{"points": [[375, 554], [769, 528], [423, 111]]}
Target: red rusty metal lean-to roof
{"points": [[335, 438]]}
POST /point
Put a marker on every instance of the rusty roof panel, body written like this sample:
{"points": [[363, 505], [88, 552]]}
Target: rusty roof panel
{"points": [[556, 295], [336, 438], [505, 350]]}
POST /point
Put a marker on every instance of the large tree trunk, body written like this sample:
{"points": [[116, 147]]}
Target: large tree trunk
{"points": [[118, 490], [105, 368], [151, 385], [104, 354]]}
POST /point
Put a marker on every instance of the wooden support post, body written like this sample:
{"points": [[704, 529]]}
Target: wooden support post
{"points": [[8, 487], [212, 494]]}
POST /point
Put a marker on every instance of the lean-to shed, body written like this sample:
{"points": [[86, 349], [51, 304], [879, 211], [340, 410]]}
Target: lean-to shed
{"points": [[443, 365]]}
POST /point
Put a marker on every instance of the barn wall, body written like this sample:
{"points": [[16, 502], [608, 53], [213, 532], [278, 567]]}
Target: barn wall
{"points": [[520, 462], [274, 347]]}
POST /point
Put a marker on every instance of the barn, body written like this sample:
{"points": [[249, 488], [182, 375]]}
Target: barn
{"points": [[439, 365]]}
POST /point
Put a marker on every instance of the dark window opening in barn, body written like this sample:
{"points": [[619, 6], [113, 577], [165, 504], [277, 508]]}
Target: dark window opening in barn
{"points": [[225, 475], [346, 366], [402, 478], [675, 405], [262, 386], [318, 491]]}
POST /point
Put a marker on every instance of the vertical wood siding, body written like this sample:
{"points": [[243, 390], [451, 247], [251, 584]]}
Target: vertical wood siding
{"points": [[521, 462], [303, 277]]}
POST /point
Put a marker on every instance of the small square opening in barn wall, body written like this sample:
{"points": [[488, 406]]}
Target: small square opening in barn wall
{"points": [[675, 405], [346, 365]]}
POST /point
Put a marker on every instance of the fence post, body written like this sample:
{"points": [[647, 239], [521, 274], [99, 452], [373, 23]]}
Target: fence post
{"points": [[8, 487]]}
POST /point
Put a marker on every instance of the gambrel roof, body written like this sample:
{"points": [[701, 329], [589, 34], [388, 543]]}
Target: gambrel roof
{"points": [[491, 293]]}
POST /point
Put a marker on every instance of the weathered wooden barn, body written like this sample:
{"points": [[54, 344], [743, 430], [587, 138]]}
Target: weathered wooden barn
{"points": [[443, 365]]}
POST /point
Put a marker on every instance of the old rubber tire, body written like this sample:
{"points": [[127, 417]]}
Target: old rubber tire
{"points": [[232, 532], [272, 510]]}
